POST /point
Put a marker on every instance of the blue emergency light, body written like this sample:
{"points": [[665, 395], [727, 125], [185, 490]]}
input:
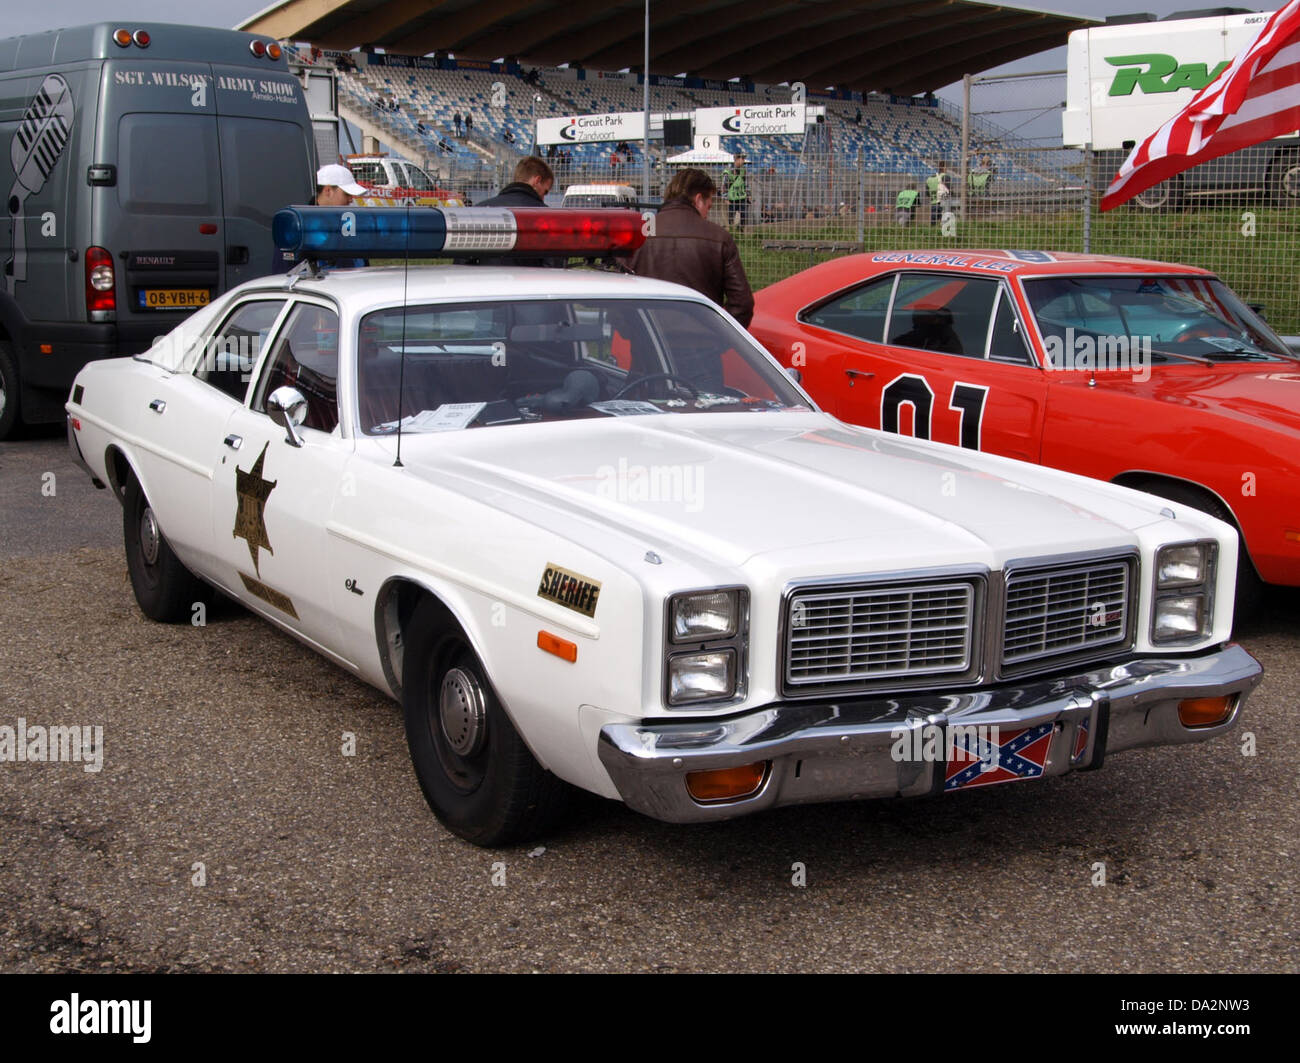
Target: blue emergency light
{"points": [[391, 232]]}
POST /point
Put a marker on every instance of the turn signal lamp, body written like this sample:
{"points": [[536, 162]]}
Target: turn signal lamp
{"points": [[385, 232], [726, 784], [1204, 712]]}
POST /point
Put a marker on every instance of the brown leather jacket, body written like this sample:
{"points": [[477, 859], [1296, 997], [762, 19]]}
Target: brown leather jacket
{"points": [[690, 250]]}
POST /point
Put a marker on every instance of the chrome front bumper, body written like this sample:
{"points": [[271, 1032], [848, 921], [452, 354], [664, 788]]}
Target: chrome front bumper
{"points": [[846, 750]]}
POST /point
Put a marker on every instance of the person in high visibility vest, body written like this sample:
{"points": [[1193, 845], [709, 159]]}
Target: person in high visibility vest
{"points": [[737, 190], [906, 204]]}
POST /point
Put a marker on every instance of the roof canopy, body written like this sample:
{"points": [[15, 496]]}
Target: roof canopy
{"points": [[900, 46]]}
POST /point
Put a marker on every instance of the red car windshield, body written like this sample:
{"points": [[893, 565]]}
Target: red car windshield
{"points": [[1198, 317]]}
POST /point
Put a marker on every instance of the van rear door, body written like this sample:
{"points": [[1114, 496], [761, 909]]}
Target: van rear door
{"points": [[158, 211], [204, 157], [267, 153]]}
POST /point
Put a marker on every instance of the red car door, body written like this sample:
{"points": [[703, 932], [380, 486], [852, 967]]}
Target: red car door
{"points": [[947, 361]]}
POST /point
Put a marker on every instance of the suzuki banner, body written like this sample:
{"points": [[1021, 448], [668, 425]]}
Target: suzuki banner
{"points": [[590, 128], [766, 119]]}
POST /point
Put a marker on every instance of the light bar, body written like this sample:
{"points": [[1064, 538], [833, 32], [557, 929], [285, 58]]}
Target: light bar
{"points": [[379, 232]]}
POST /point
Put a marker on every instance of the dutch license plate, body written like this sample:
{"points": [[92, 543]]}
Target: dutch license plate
{"points": [[173, 298]]}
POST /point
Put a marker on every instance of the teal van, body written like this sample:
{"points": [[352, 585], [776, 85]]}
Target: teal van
{"points": [[146, 162]]}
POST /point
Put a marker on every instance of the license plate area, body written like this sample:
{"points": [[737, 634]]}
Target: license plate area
{"points": [[986, 756], [173, 298]]}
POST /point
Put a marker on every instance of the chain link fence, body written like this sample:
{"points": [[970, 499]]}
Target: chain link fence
{"points": [[984, 172]]}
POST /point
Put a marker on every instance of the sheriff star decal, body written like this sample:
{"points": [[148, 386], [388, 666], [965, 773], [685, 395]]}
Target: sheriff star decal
{"points": [[250, 523]]}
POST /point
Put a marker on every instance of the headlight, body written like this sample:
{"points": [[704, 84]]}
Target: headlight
{"points": [[706, 637], [701, 617], [1178, 566], [1183, 608], [701, 677], [1179, 618]]}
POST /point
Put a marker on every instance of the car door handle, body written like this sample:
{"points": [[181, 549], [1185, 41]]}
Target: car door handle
{"points": [[234, 442], [852, 374], [158, 405]]}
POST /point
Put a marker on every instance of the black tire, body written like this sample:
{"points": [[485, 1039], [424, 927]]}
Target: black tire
{"points": [[1284, 179], [164, 588], [10, 395], [477, 774], [1250, 588]]}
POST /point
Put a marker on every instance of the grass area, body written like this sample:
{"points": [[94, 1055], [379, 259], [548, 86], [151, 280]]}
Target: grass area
{"points": [[1254, 249]]}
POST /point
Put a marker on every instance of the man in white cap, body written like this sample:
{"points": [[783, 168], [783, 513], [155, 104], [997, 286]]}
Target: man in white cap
{"points": [[335, 186]]}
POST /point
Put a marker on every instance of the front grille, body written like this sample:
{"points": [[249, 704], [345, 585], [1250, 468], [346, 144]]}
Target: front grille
{"points": [[856, 635], [1066, 609]]}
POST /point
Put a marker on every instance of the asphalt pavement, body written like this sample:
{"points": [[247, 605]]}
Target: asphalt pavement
{"points": [[226, 829]]}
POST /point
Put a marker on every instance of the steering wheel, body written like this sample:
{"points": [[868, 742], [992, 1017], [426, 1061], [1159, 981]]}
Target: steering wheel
{"points": [[695, 393], [1192, 332]]}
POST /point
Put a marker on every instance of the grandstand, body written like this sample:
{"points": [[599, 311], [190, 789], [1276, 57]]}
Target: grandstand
{"points": [[893, 140]]}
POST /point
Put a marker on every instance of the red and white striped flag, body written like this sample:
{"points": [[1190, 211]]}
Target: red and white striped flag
{"points": [[1255, 99]]}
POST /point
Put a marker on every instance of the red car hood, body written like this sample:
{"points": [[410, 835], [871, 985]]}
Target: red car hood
{"points": [[1264, 395]]}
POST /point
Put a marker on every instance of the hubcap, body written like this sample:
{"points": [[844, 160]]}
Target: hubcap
{"points": [[462, 711], [150, 537]]}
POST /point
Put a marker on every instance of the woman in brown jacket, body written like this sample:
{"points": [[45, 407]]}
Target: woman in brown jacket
{"points": [[686, 248]]}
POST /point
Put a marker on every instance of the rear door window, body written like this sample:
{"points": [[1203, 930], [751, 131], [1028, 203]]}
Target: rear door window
{"points": [[947, 313], [258, 179], [168, 164], [860, 313], [232, 352]]}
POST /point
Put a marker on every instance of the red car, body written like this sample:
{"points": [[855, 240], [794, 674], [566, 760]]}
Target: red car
{"points": [[1146, 374]]}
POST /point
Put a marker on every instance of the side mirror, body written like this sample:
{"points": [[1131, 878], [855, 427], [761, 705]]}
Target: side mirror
{"points": [[794, 374], [287, 407]]}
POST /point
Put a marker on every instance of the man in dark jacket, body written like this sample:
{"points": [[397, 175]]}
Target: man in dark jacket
{"points": [[533, 179], [688, 249]]}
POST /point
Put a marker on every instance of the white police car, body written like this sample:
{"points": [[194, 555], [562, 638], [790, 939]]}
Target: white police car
{"points": [[589, 533]]}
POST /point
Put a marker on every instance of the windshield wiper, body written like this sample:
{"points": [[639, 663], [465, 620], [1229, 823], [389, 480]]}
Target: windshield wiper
{"points": [[1185, 356]]}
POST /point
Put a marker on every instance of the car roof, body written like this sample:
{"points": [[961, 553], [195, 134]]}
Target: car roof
{"points": [[1004, 262], [393, 285]]}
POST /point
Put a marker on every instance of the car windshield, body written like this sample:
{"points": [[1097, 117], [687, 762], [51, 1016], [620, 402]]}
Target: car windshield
{"points": [[1195, 317], [461, 365]]}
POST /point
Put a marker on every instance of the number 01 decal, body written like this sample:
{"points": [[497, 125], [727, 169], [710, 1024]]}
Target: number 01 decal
{"points": [[911, 390]]}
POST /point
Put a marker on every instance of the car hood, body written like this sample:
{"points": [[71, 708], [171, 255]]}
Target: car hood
{"points": [[1263, 395], [734, 486]]}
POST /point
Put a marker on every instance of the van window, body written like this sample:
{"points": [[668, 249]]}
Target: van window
{"points": [[257, 169], [183, 179]]}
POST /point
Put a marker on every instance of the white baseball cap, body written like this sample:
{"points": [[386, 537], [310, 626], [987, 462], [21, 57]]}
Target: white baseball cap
{"points": [[341, 177]]}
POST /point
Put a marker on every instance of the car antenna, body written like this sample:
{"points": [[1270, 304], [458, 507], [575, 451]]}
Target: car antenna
{"points": [[401, 363]]}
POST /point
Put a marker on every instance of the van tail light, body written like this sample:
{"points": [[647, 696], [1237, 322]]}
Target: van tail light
{"points": [[101, 284]]}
